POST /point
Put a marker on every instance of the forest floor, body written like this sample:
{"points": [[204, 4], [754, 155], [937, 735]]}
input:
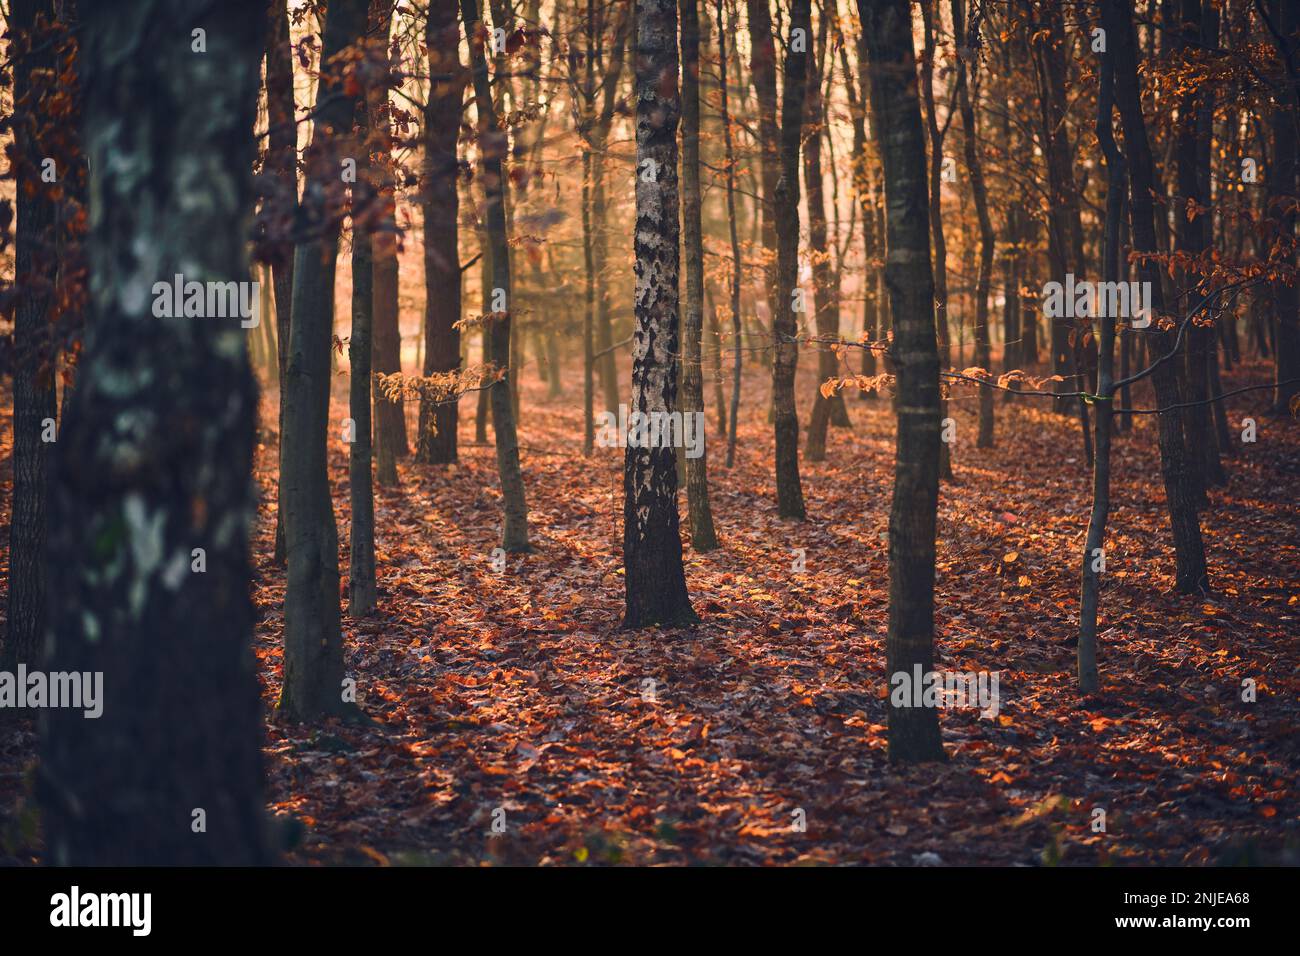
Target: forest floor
{"points": [[513, 697]]}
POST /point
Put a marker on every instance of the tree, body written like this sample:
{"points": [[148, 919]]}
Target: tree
{"points": [[1189, 551], [785, 328], [970, 142], [826, 307], [729, 156], [703, 536], [1094, 554], [281, 165], [1283, 189], [1193, 229], [151, 495], [361, 540], [655, 579], [34, 408], [896, 115], [386, 342], [762, 65], [313, 642], [493, 144], [436, 443], [1065, 235], [594, 76], [929, 13]]}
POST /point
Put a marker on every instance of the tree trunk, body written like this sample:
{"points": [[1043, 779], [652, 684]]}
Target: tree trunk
{"points": [[34, 400], [1185, 523], [970, 141], [439, 419], [703, 536], [729, 155], [1193, 157], [652, 544], [599, 258], [714, 334], [762, 65], [1281, 193], [1049, 61], [913, 731], [361, 540], [281, 163], [154, 462], [313, 642], [929, 11], [785, 327], [493, 145], [1094, 544], [589, 315], [825, 300], [390, 416]]}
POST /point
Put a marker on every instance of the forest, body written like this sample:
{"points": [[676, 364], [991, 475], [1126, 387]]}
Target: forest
{"points": [[649, 433]]}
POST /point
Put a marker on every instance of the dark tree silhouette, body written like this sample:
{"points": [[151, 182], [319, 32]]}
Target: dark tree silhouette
{"points": [[152, 498]]}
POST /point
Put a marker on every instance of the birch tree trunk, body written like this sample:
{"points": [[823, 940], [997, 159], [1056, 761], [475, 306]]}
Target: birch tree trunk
{"points": [[652, 546]]}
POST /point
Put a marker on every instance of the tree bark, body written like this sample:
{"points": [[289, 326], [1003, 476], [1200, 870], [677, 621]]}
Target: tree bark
{"points": [[282, 164], [589, 314], [762, 65], [785, 327], [729, 156], [1282, 193], [1095, 541], [154, 461], [929, 12], [361, 539], [1193, 157], [313, 641], [652, 546], [493, 145], [390, 416], [913, 731], [1049, 60], [1191, 575], [436, 443], [826, 312], [970, 142], [703, 535], [34, 400]]}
